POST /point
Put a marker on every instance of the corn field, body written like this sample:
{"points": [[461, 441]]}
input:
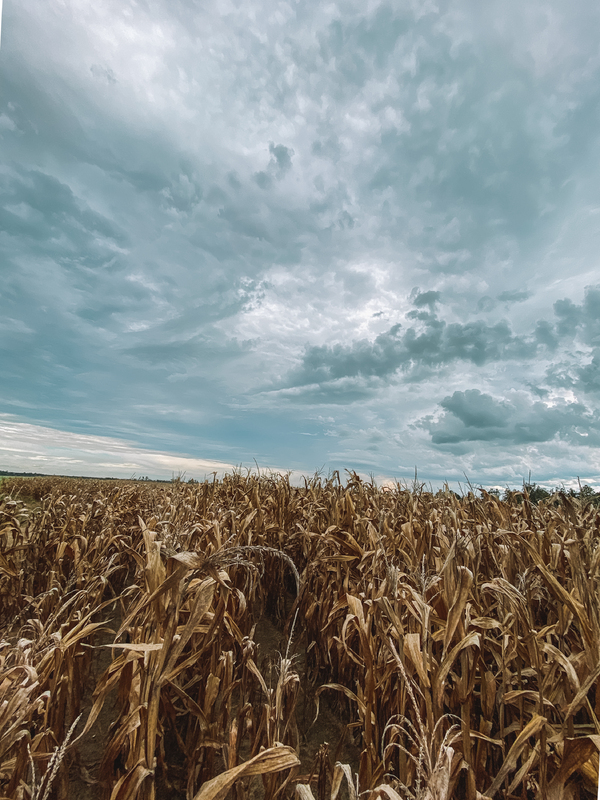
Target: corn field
{"points": [[454, 641]]}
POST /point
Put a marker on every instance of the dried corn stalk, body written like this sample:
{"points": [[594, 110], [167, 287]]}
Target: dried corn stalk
{"points": [[458, 638]]}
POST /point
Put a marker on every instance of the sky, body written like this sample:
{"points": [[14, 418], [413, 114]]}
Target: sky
{"points": [[301, 235]]}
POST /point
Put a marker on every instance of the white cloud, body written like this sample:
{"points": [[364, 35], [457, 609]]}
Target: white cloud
{"points": [[25, 447]]}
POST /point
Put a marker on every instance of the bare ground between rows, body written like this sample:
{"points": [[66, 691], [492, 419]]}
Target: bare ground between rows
{"points": [[83, 780], [328, 735]]}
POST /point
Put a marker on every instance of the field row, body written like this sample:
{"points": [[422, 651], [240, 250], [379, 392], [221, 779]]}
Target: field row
{"points": [[450, 645]]}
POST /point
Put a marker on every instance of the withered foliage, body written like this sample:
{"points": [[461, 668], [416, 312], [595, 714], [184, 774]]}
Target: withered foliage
{"points": [[458, 639]]}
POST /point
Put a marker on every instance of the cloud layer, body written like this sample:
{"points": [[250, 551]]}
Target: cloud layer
{"points": [[344, 235], [34, 448]]}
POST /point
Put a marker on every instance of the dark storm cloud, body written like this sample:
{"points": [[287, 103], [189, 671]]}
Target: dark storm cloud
{"points": [[583, 319], [477, 410], [41, 208], [514, 296], [282, 158], [340, 391], [433, 343], [474, 416], [578, 325], [485, 304], [421, 299], [279, 165]]}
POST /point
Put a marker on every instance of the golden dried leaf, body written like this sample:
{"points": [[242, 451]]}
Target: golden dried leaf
{"points": [[510, 762], [458, 605], [412, 649], [275, 759]]}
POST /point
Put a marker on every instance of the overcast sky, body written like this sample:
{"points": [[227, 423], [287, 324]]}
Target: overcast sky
{"points": [[315, 235]]}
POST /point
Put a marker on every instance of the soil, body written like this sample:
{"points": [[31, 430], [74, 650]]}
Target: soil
{"points": [[328, 739], [83, 783], [328, 729]]}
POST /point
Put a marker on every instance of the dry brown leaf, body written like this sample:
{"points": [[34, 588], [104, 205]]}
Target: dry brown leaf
{"points": [[458, 605], [127, 787], [581, 695], [340, 772], [135, 647], [275, 759], [412, 649], [510, 762], [575, 754], [304, 792], [384, 791], [472, 639]]}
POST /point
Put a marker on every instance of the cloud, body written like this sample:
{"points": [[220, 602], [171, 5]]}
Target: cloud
{"points": [[44, 210], [432, 343], [103, 73], [429, 342], [582, 319], [579, 326], [589, 375], [33, 448], [342, 390], [474, 416], [429, 299], [514, 296], [477, 410], [485, 304], [202, 252], [282, 158]]}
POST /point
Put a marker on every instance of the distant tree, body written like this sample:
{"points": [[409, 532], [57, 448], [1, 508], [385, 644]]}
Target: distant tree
{"points": [[587, 495], [535, 492], [530, 490]]}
